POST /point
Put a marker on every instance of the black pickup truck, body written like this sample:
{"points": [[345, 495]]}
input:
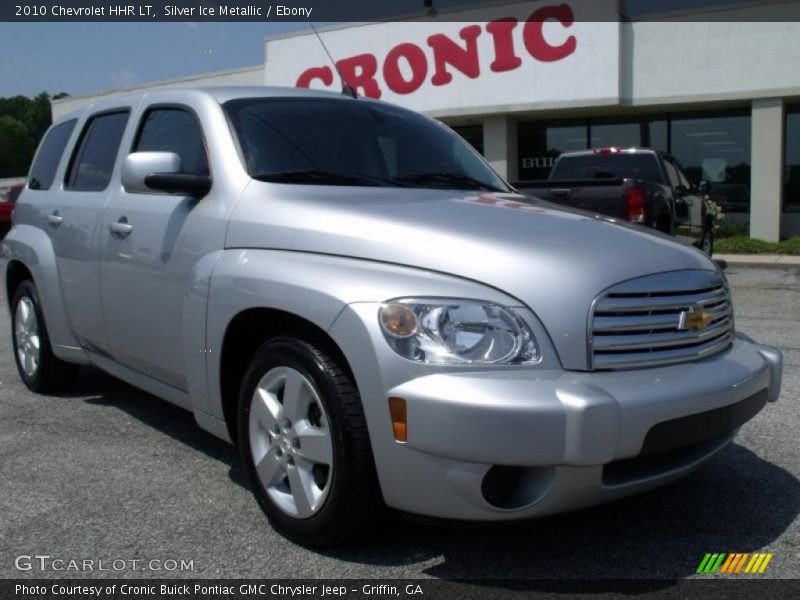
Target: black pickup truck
{"points": [[639, 185]]}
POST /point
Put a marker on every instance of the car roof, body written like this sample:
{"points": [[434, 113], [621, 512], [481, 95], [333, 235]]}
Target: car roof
{"points": [[221, 94], [593, 151]]}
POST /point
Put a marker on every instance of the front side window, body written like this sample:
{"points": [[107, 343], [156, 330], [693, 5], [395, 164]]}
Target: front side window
{"points": [[672, 173], [174, 130], [93, 163], [353, 142], [44, 167]]}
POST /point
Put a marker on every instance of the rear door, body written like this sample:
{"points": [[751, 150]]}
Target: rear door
{"points": [[74, 218]]}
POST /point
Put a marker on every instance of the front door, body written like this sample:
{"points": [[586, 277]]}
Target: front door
{"points": [[151, 243]]}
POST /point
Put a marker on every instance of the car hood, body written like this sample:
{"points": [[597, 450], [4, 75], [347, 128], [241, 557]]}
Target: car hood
{"points": [[552, 260]]}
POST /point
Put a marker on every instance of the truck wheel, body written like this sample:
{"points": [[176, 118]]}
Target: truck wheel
{"points": [[707, 242], [40, 370], [304, 443]]}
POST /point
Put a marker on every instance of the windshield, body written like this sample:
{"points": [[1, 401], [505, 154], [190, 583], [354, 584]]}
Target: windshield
{"points": [[332, 141]]}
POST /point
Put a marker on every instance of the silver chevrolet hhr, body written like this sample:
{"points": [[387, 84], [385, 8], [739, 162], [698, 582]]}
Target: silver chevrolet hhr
{"points": [[346, 290]]}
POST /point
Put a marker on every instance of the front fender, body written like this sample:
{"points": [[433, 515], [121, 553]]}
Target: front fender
{"points": [[32, 247], [314, 287]]}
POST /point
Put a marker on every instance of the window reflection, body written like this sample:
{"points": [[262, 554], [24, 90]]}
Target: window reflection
{"points": [[645, 133], [791, 187], [473, 134], [714, 147]]}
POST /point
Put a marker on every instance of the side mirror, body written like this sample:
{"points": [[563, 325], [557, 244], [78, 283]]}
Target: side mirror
{"points": [[145, 172], [704, 187]]}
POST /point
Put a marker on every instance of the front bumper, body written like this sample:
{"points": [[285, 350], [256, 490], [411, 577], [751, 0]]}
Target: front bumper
{"points": [[524, 442]]}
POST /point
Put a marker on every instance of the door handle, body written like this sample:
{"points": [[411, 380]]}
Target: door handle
{"points": [[55, 219], [121, 227]]}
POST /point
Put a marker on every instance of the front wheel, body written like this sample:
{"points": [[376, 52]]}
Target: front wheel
{"points": [[304, 443], [707, 242], [39, 369]]}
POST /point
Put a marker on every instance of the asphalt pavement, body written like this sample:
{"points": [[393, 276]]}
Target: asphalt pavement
{"points": [[108, 473]]}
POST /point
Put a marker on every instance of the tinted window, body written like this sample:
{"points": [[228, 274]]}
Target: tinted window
{"points": [[174, 130], [348, 142], [791, 188], [44, 167], [715, 147], [682, 175], [92, 165], [608, 166]]}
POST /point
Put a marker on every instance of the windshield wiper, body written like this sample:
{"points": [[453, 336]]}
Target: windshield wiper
{"points": [[447, 177], [318, 177]]}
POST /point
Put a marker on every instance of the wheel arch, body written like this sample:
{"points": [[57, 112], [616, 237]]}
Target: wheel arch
{"points": [[31, 255], [16, 273], [245, 333]]}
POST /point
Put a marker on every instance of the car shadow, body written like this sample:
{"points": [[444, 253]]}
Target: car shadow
{"points": [[738, 502], [179, 424]]}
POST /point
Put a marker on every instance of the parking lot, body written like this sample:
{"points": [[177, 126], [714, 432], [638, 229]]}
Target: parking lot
{"points": [[109, 472]]}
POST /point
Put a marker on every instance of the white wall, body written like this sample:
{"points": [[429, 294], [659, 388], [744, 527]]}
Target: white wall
{"points": [[676, 61], [587, 77]]}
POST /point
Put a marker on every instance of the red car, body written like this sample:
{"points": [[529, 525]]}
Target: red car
{"points": [[7, 207]]}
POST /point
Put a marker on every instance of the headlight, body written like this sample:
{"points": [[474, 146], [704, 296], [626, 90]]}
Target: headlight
{"points": [[457, 332]]}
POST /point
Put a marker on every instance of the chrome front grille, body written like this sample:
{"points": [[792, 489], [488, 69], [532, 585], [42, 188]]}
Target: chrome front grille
{"points": [[659, 320]]}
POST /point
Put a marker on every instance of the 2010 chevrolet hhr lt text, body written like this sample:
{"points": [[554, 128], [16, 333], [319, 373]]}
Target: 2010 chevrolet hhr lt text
{"points": [[347, 291]]}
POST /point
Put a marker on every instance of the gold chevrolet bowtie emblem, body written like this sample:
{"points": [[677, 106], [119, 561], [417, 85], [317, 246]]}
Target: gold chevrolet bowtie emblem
{"points": [[696, 318]]}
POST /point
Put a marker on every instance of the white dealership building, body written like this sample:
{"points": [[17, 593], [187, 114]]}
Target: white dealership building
{"points": [[524, 81]]}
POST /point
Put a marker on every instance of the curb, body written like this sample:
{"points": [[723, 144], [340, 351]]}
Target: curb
{"points": [[768, 261]]}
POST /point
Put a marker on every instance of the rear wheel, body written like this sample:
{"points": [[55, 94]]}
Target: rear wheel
{"points": [[39, 369], [304, 443]]}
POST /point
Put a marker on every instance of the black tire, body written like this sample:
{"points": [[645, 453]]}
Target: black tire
{"points": [[353, 501], [52, 373], [707, 242]]}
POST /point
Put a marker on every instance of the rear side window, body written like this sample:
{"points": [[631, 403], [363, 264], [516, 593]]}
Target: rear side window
{"points": [[93, 163], [44, 167], [608, 166], [174, 130]]}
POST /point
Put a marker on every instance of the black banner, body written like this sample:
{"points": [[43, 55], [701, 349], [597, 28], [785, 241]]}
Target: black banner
{"points": [[329, 11], [422, 589]]}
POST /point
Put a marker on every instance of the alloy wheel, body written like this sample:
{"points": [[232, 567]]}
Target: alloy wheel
{"points": [[27, 337], [290, 442]]}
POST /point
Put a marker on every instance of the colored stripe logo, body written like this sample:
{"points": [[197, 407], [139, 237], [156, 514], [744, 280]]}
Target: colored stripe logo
{"points": [[734, 563]]}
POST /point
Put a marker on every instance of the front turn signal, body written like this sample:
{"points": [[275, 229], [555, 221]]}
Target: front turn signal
{"points": [[397, 410]]}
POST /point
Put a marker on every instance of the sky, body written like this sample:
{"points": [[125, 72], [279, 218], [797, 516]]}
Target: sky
{"points": [[83, 58]]}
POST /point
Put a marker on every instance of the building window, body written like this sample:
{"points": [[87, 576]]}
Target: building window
{"points": [[628, 133], [715, 147], [791, 182], [540, 142], [473, 134]]}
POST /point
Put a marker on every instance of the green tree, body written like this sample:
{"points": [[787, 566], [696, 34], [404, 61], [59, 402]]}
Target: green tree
{"points": [[15, 107], [38, 116], [23, 122], [16, 147]]}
